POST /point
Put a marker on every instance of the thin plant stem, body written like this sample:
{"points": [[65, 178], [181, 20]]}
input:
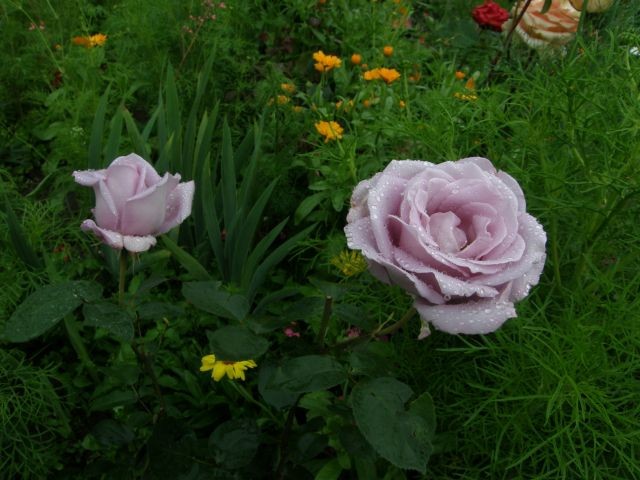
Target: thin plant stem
{"points": [[326, 316], [78, 346], [247, 396], [379, 332], [123, 277], [507, 42], [284, 441]]}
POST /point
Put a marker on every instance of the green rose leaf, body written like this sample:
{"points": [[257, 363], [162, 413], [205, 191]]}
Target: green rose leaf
{"points": [[400, 436], [45, 307]]}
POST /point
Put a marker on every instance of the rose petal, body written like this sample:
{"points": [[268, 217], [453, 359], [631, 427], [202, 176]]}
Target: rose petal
{"points": [[144, 213], [444, 230], [178, 205], [476, 317], [105, 211], [144, 169], [138, 243], [89, 178], [360, 237], [111, 238], [527, 269], [122, 182]]}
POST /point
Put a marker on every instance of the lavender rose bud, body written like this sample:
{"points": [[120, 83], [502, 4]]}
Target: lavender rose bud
{"points": [[456, 236], [134, 204]]}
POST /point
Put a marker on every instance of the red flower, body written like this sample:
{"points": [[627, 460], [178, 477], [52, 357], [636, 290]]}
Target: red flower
{"points": [[490, 15]]}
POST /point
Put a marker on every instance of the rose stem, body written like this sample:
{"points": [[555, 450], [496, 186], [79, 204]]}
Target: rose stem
{"points": [[379, 332], [326, 316], [123, 277], [507, 42], [138, 349]]}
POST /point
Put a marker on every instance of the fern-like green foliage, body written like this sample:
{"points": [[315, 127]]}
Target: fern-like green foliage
{"points": [[32, 420]]}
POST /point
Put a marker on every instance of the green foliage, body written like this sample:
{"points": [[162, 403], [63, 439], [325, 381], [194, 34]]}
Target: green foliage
{"points": [[33, 420], [550, 395], [44, 308]]}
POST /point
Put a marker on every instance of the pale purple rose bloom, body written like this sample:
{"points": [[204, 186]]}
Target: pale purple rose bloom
{"points": [[456, 236], [134, 204]]}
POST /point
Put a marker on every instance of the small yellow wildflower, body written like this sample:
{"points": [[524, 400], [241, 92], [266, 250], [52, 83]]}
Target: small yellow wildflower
{"points": [[289, 88], [339, 104], [329, 130], [460, 75], [356, 59], [366, 103], [466, 97], [389, 75], [349, 262], [387, 51], [220, 368], [96, 40], [324, 62], [282, 99], [402, 104], [298, 108]]}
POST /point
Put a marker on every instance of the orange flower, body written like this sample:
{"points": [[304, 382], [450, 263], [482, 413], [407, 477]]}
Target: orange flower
{"points": [[324, 62], [329, 130], [471, 84], [289, 88], [356, 59], [96, 40], [389, 75], [460, 75], [387, 50], [366, 102]]}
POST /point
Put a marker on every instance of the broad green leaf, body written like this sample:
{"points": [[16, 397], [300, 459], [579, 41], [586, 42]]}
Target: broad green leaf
{"points": [[45, 307], [212, 298], [404, 438], [235, 442], [112, 318], [330, 470], [236, 343], [308, 373], [273, 396]]}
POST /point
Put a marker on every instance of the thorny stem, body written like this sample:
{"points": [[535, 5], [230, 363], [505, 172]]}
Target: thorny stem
{"points": [[379, 332], [507, 43]]}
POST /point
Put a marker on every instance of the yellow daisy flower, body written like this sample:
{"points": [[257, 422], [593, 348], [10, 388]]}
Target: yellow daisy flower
{"points": [[220, 368]]}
